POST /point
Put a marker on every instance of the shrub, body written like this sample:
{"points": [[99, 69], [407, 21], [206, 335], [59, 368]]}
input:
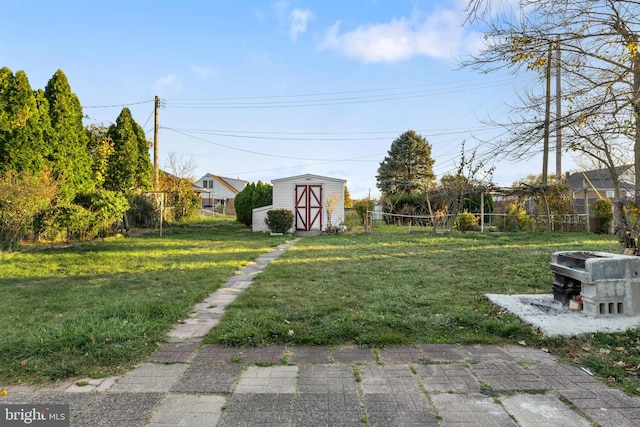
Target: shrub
{"points": [[251, 197], [516, 219], [352, 219], [466, 221], [142, 213], [23, 198], [604, 215], [279, 220], [362, 206], [106, 207]]}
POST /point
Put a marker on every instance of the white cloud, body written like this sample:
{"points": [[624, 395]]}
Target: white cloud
{"points": [[438, 35], [169, 82], [298, 19]]}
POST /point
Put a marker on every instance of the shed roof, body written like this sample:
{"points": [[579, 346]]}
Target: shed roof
{"points": [[308, 176]]}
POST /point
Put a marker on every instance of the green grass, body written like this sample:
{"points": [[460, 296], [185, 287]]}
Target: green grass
{"points": [[96, 308], [375, 290]]}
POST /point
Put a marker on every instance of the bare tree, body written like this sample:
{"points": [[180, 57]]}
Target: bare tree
{"points": [[600, 67], [181, 167]]}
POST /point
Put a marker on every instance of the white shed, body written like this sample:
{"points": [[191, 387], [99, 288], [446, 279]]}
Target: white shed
{"points": [[310, 198]]}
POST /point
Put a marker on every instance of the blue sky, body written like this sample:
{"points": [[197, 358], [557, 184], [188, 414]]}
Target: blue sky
{"points": [[259, 90]]}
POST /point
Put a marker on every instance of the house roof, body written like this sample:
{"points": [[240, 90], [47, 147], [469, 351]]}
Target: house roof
{"points": [[600, 178], [235, 185], [310, 176]]}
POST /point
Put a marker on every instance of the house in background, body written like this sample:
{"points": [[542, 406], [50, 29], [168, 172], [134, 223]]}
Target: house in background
{"points": [[594, 184], [219, 192], [307, 197]]}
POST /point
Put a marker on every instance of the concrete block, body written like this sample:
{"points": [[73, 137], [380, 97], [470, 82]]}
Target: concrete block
{"points": [[575, 305]]}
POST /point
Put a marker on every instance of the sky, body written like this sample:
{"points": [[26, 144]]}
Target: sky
{"points": [[259, 90]]}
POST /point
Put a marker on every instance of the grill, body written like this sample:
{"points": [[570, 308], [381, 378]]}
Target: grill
{"points": [[606, 284]]}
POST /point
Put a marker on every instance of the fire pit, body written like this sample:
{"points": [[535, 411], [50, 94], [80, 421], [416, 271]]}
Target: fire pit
{"points": [[606, 284]]}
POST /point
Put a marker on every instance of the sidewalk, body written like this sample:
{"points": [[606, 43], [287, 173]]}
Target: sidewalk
{"points": [[186, 384]]}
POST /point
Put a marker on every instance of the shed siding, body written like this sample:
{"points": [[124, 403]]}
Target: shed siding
{"points": [[284, 190]]}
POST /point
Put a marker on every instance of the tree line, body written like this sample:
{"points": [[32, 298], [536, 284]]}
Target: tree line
{"points": [[58, 177]]}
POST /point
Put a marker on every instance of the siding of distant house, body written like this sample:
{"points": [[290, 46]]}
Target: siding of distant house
{"points": [[591, 185], [217, 190]]}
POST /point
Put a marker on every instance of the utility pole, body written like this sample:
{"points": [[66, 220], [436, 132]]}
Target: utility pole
{"points": [[558, 113], [547, 119], [156, 174]]}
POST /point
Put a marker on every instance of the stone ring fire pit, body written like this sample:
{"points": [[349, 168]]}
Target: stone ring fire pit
{"points": [[605, 284]]}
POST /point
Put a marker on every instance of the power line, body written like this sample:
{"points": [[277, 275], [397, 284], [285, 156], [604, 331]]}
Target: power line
{"points": [[270, 135], [265, 154], [328, 98], [118, 105]]}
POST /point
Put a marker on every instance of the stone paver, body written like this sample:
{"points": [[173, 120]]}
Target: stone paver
{"points": [[447, 378], [119, 410], [271, 379], [257, 409], [404, 354], [566, 377], [483, 353], [299, 355], [149, 378], [388, 409], [540, 410], [174, 353], [217, 354], [504, 376], [607, 407], [389, 379], [393, 397], [528, 354], [326, 395], [272, 354], [188, 410], [352, 355], [443, 352], [469, 410], [209, 378]]}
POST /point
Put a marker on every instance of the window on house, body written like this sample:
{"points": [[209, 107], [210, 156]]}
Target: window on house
{"points": [[204, 183], [609, 194]]}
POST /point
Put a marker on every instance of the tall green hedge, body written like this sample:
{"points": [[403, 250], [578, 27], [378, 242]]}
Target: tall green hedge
{"points": [[254, 195]]}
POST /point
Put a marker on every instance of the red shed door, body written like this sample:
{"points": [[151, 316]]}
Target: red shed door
{"points": [[308, 207]]}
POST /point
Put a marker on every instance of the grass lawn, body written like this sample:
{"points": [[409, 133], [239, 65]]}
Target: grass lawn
{"points": [[96, 308], [396, 289]]}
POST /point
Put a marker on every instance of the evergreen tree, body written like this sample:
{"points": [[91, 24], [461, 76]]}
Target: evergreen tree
{"points": [[129, 166], [100, 148], [22, 145], [252, 196], [348, 203], [70, 157], [408, 167], [144, 169]]}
